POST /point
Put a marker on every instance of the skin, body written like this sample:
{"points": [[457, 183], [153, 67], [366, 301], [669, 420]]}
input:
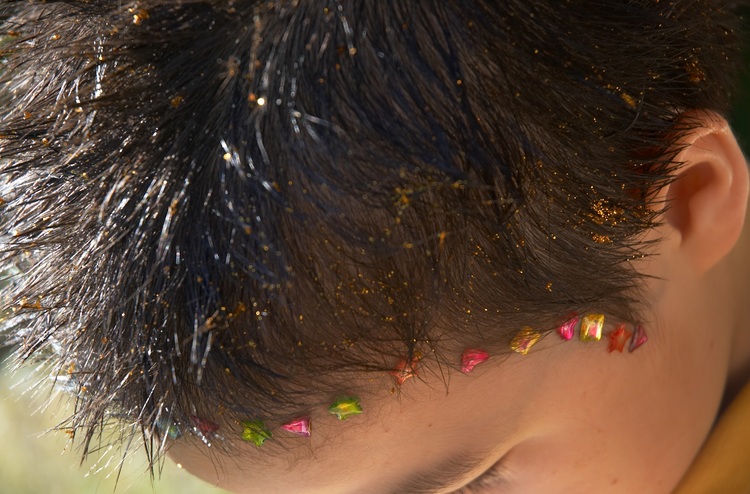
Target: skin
{"points": [[569, 416]]}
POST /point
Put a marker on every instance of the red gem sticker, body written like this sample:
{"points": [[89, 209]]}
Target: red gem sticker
{"points": [[618, 338], [405, 370], [205, 427]]}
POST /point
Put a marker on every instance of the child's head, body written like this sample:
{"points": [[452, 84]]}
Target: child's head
{"points": [[232, 214]]}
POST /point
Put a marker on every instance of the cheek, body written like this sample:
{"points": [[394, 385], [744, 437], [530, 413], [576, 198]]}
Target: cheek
{"points": [[616, 423], [589, 462]]}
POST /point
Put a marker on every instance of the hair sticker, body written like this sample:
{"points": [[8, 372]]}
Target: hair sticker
{"points": [[568, 329], [618, 338], [300, 427], [471, 358], [254, 431], [591, 327], [639, 338], [345, 407], [524, 340]]}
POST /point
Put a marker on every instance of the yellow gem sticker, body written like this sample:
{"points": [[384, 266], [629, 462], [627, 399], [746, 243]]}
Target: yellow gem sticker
{"points": [[591, 327], [524, 340]]}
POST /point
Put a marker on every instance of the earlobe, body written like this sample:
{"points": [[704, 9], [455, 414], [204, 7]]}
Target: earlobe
{"points": [[708, 199]]}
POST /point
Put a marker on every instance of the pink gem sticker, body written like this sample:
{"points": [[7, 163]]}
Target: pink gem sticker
{"points": [[568, 329], [471, 358], [639, 338], [300, 426]]}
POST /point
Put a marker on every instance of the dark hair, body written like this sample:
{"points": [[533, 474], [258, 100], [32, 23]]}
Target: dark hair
{"points": [[238, 207]]}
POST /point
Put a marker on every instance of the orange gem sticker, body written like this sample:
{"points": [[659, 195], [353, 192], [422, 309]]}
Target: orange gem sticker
{"points": [[404, 371], [618, 338]]}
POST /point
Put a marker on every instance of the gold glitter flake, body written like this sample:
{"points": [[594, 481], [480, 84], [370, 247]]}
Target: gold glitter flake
{"points": [[628, 99], [139, 15], [441, 237], [403, 197], [602, 212], [35, 305], [695, 73]]}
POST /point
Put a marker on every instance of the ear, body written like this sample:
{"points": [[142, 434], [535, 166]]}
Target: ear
{"points": [[706, 202]]}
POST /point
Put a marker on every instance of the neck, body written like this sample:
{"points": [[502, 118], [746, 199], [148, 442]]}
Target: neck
{"points": [[735, 274]]}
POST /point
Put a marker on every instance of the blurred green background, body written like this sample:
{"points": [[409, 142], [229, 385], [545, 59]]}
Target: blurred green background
{"points": [[33, 461]]}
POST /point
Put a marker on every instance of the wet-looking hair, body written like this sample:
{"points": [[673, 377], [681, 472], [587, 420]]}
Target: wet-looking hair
{"points": [[233, 209]]}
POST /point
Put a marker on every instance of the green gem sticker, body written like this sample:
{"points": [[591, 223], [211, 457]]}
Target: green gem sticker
{"points": [[345, 407], [254, 431]]}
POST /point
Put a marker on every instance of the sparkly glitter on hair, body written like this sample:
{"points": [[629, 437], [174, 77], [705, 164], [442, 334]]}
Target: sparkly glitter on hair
{"points": [[223, 210]]}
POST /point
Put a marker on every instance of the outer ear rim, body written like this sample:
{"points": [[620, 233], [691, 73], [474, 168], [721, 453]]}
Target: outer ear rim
{"points": [[706, 202]]}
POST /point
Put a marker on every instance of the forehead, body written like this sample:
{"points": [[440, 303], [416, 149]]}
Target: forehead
{"points": [[428, 422], [563, 417]]}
